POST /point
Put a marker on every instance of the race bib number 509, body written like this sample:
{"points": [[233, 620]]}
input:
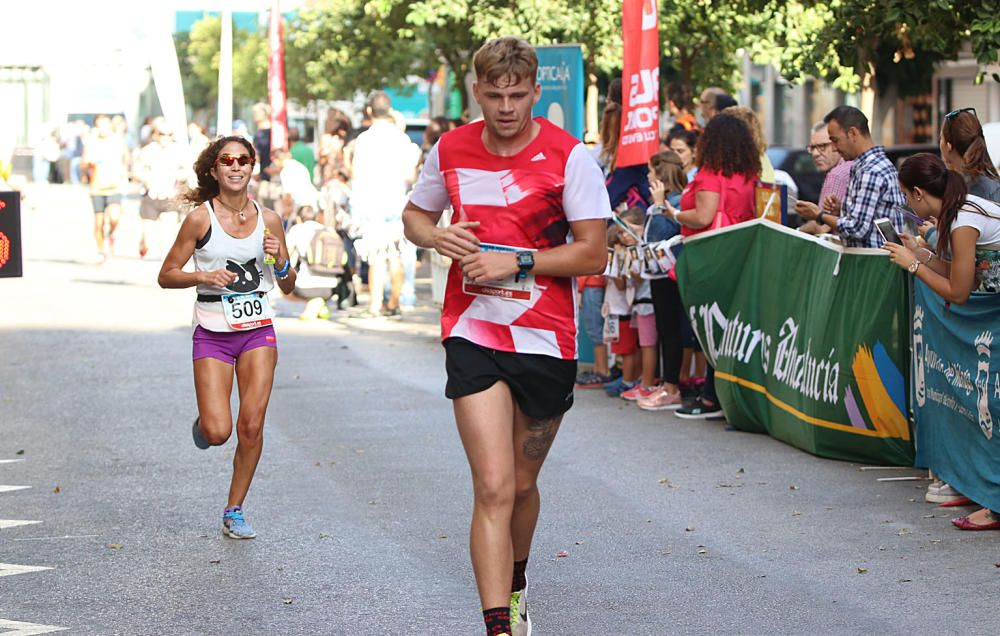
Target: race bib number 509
{"points": [[247, 311]]}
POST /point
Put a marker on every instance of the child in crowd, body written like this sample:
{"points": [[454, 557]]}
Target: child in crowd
{"points": [[667, 178], [618, 295], [591, 303], [642, 321]]}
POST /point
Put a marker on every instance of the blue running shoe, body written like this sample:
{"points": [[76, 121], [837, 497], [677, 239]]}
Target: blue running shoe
{"points": [[235, 526], [199, 441], [621, 388], [614, 388]]}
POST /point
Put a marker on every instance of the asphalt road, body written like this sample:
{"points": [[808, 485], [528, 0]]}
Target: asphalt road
{"points": [[362, 498]]}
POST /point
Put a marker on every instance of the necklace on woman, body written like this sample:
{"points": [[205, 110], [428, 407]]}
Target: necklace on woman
{"points": [[238, 211]]}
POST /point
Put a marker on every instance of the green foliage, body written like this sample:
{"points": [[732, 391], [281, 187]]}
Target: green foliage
{"points": [[198, 56]]}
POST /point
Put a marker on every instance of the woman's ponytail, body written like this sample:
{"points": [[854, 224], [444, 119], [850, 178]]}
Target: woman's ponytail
{"points": [[952, 200]]}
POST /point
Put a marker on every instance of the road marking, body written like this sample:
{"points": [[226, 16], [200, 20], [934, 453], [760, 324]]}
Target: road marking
{"points": [[27, 629], [10, 461], [65, 536], [12, 488], [13, 523], [9, 569]]}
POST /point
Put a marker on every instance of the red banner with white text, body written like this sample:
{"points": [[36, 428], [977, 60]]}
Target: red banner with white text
{"points": [[277, 97], [640, 127]]}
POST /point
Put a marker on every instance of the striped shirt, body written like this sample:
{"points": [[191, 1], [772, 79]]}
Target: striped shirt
{"points": [[873, 193]]}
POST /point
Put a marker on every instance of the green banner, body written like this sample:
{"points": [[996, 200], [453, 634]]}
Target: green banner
{"points": [[809, 340]]}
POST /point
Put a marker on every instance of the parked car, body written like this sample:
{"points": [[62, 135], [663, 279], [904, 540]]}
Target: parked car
{"points": [[800, 167], [798, 163], [991, 132]]}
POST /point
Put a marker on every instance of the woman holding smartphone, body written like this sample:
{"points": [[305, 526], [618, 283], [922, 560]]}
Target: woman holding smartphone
{"points": [[967, 257], [231, 239]]}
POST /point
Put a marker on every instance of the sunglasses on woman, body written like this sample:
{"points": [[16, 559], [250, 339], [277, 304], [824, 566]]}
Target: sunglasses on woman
{"points": [[228, 160], [956, 113]]}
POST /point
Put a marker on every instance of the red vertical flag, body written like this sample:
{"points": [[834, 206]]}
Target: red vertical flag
{"points": [[640, 128], [276, 80]]}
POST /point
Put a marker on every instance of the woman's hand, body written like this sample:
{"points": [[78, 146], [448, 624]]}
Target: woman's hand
{"points": [[927, 226], [272, 245], [217, 278], [909, 242], [658, 191], [900, 255]]}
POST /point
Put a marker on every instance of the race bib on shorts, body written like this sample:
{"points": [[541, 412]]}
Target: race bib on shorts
{"points": [[612, 329], [247, 311], [507, 288]]}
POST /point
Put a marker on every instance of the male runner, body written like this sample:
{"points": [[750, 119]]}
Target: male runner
{"points": [[530, 214]]}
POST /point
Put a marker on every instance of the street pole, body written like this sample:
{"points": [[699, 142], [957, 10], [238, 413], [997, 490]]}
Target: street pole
{"points": [[224, 126]]}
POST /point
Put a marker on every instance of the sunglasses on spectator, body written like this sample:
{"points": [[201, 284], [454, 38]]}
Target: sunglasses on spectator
{"points": [[819, 147], [228, 160], [955, 113]]}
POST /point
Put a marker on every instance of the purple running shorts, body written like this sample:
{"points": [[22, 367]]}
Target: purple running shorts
{"points": [[228, 346]]}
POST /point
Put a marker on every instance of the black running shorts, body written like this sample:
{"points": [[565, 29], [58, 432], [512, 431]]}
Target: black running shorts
{"points": [[541, 385]]}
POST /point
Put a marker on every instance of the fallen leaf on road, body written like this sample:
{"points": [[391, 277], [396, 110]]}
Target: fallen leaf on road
{"points": [[56, 490], [286, 601], [663, 481], [997, 564], [442, 536], [689, 529], [862, 570], [928, 516], [905, 580], [317, 463], [323, 535], [903, 532], [796, 513], [562, 554], [20, 452], [580, 542], [115, 546], [702, 551], [359, 451], [740, 471], [793, 488], [215, 561], [935, 540]]}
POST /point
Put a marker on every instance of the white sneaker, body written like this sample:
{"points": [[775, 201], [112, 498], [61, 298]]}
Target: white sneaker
{"points": [[939, 492], [520, 623]]}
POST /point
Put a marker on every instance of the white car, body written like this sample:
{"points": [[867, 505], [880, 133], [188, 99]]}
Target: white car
{"points": [[991, 132]]}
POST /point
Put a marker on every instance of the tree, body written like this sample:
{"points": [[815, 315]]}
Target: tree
{"points": [[198, 54]]}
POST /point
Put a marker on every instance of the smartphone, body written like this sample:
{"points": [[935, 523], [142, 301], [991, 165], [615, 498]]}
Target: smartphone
{"points": [[884, 227]]}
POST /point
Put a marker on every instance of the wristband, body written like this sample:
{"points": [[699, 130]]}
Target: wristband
{"points": [[283, 272], [930, 257]]}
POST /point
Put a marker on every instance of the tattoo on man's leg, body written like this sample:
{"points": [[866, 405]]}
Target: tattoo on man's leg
{"points": [[542, 432]]}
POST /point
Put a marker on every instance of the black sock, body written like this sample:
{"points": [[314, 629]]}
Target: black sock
{"points": [[497, 620], [518, 582]]}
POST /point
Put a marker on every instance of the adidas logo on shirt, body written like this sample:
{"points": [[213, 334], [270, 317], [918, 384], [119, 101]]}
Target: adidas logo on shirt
{"points": [[539, 157]]}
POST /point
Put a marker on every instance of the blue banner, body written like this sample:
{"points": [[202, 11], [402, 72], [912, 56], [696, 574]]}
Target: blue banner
{"points": [[957, 392], [560, 74]]}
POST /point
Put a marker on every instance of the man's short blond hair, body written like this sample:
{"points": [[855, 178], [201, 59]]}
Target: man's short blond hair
{"points": [[505, 61]]}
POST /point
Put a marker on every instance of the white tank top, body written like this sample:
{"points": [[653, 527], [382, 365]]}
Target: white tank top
{"points": [[243, 256]]}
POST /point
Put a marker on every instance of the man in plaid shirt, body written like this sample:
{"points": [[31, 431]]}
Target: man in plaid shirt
{"points": [[873, 191]]}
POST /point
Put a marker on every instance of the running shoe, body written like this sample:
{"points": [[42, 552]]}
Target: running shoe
{"points": [[700, 410], [520, 623], [235, 526], [619, 386], [639, 391], [199, 441], [592, 380], [661, 400], [940, 492]]}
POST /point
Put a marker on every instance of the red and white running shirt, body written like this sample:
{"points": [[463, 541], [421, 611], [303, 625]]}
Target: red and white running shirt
{"points": [[525, 201]]}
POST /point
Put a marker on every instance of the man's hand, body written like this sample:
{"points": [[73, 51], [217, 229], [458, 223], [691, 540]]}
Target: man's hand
{"points": [[480, 267], [807, 210], [831, 205], [456, 241]]}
